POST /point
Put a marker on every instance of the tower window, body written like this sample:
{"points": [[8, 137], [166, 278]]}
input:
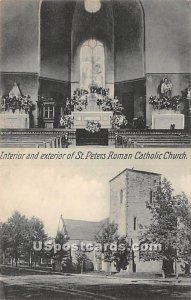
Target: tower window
{"points": [[135, 223], [151, 197], [121, 196]]}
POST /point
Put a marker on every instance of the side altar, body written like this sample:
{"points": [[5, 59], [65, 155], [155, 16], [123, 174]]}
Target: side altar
{"points": [[82, 117], [15, 109], [14, 120], [167, 119], [166, 108]]}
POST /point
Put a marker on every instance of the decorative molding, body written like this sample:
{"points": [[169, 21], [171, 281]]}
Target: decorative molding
{"points": [[130, 80], [20, 73], [54, 80]]}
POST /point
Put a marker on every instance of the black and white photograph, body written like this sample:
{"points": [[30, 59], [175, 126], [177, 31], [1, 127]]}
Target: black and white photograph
{"points": [[113, 73], [96, 230]]}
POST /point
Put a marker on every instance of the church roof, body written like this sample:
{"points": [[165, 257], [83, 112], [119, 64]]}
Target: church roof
{"points": [[136, 171], [83, 230]]}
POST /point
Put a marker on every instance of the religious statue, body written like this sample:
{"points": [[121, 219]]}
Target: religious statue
{"points": [[166, 88], [15, 91]]}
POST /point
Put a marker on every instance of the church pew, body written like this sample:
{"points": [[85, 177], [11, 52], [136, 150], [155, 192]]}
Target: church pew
{"points": [[22, 145], [65, 137], [53, 142], [130, 140], [20, 141]]}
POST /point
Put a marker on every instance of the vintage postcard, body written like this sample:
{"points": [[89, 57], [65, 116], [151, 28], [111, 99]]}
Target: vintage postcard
{"points": [[95, 149]]}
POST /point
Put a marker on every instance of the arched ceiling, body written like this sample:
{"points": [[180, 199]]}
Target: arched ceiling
{"points": [[97, 25], [66, 24]]}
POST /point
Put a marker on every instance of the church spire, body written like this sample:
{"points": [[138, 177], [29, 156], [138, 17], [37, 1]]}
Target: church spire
{"points": [[62, 231]]}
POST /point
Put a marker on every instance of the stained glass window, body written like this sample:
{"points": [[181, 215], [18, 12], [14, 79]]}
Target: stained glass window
{"points": [[92, 64]]}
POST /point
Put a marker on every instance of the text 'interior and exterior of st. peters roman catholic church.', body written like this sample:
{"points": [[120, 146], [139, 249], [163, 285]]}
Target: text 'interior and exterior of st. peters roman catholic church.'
{"points": [[114, 68]]}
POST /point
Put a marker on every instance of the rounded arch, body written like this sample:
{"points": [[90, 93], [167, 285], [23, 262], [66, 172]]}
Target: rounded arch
{"points": [[129, 37]]}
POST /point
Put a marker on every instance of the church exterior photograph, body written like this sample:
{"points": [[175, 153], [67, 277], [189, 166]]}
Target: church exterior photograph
{"points": [[137, 239], [95, 72]]}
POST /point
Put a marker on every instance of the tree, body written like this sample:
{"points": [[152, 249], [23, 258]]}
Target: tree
{"points": [[16, 228], [81, 258], [17, 236], [34, 232], [170, 226], [113, 247], [4, 241], [63, 257]]}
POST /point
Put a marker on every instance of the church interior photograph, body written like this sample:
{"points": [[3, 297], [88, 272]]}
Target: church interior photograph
{"points": [[111, 73]]}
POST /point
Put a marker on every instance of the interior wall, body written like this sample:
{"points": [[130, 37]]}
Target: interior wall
{"points": [[19, 36], [168, 39], [56, 22], [129, 40], [132, 96]]}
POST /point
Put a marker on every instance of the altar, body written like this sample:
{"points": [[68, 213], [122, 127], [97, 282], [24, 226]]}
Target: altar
{"points": [[14, 120], [166, 119], [82, 117]]}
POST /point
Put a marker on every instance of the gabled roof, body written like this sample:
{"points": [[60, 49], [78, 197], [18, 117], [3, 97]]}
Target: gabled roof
{"points": [[84, 230]]}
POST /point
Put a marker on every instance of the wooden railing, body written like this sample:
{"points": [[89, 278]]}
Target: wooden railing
{"points": [[150, 138], [36, 138]]}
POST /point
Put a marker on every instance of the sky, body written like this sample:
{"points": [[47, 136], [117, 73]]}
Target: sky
{"points": [[77, 189]]}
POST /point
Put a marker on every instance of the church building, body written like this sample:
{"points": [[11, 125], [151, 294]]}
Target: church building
{"points": [[131, 191]]}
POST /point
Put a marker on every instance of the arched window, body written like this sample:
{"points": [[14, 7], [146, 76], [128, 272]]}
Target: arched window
{"points": [[92, 6], [92, 64]]}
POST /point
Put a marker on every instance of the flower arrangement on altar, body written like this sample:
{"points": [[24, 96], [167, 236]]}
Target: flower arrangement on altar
{"points": [[119, 121], [93, 126], [21, 103], [66, 121], [118, 109], [165, 102], [79, 107]]}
